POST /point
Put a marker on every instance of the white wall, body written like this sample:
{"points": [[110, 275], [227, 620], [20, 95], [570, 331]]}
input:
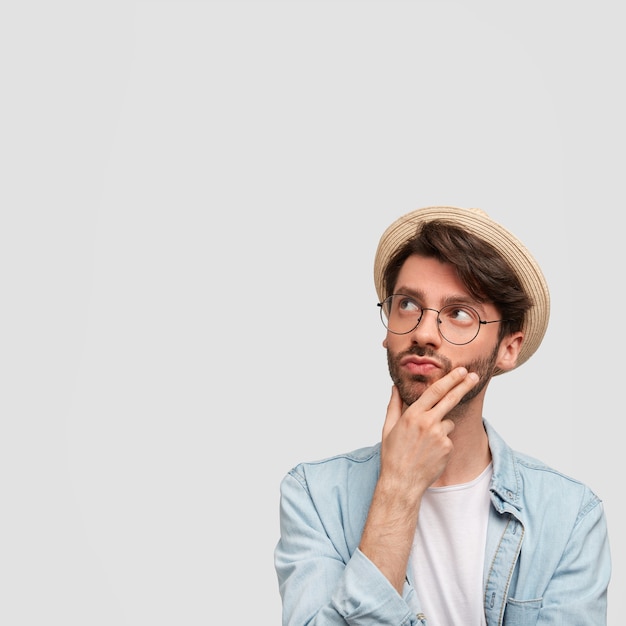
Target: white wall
{"points": [[188, 191]]}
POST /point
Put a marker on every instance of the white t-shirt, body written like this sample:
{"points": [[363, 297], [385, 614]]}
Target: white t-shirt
{"points": [[449, 550]]}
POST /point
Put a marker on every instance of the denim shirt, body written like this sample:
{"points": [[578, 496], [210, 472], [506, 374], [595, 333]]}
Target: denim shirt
{"points": [[547, 559]]}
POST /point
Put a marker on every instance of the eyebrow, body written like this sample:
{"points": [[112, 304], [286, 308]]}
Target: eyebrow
{"points": [[453, 299]]}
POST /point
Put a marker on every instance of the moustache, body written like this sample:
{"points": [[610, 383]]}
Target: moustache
{"points": [[418, 351]]}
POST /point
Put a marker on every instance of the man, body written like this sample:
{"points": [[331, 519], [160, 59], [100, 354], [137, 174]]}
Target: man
{"points": [[441, 523]]}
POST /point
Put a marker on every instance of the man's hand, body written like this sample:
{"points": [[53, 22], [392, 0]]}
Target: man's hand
{"points": [[415, 450], [415, 444]]}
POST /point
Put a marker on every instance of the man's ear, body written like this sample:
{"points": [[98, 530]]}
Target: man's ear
{"points": [[509, 351]]}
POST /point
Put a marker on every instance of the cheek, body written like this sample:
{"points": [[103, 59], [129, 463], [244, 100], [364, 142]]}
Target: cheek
{"points": [[397, 344]]}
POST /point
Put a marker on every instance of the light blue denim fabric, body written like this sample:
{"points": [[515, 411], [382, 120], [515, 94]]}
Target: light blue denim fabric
{"points": [[547, 559]]}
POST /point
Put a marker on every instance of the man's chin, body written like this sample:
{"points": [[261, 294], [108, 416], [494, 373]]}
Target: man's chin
{"points": [[412, 390]]}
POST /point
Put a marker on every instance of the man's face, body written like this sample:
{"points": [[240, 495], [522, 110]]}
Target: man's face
{"points": [[422, 356]]}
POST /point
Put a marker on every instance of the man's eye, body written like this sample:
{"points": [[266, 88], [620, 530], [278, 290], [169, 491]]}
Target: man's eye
{"points": [[460, 315], [409, 306]]}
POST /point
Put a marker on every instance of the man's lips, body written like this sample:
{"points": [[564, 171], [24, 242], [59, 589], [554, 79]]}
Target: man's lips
{"points": [[418, 365]]}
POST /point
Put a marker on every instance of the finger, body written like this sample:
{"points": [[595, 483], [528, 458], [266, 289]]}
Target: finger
{"points": [[448, 425], [394, 411], [447, 392]]}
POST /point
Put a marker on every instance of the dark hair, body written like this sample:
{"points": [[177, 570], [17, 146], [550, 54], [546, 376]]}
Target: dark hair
{"points": [[486, 275]]}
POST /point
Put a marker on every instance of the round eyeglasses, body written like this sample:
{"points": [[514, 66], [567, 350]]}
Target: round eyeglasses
{"points": [[457, 323]]}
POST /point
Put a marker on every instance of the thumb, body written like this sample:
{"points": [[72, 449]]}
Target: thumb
{"points": [[394, 411]]}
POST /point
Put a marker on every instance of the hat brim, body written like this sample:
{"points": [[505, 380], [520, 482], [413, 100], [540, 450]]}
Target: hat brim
{"points": [[480, 224]]}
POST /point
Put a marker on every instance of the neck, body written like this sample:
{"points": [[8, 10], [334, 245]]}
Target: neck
{"points": [[471, 453]]}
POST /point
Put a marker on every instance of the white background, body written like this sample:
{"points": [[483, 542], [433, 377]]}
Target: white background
{"points": [[191, 194]]}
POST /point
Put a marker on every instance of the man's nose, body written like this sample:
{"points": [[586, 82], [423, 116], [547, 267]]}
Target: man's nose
{"points": [[427, 331]]}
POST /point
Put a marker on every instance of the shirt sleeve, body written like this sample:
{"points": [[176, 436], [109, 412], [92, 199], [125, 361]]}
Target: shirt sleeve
{"points": [[320, 582]]}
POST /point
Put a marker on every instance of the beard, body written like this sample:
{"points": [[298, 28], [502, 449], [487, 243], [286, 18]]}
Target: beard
{"points": [[411, 387]]}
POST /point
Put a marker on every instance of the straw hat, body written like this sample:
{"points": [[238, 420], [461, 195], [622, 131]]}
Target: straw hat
{"points": [[480, 224]]}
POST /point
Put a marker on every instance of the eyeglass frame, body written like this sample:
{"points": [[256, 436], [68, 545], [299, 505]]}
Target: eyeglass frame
{"points": [[481, 322]]}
